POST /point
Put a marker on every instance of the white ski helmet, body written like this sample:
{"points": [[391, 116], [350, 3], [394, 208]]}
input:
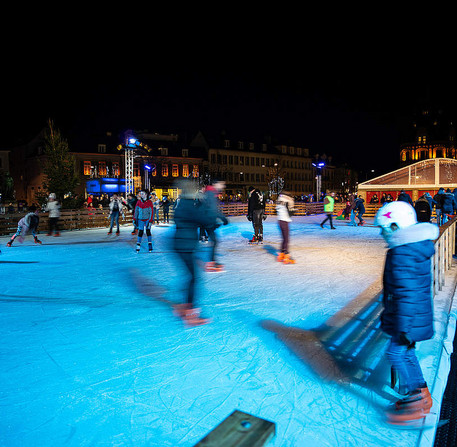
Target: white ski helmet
{"points": [[400, 213]]}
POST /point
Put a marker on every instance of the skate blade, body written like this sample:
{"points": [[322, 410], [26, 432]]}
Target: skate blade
{"points": [[196, 322], [417, 424]]}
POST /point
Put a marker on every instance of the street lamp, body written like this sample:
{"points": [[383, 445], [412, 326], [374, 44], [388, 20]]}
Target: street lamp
{"points": [[147, 169], [318, 167]]}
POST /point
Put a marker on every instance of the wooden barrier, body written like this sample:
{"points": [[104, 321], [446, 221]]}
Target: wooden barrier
{"points": [[69, 220]]}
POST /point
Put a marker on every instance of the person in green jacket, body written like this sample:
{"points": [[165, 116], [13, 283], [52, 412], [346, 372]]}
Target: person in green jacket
{"points": [[329, 203]]}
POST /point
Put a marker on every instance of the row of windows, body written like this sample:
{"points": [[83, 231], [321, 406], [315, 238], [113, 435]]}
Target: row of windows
{"points": [[165, 172], [284, 149], [101, 169], [260, 178], [237, 160]]}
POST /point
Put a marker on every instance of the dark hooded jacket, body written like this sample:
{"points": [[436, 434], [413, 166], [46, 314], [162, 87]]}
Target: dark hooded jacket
{"points": [[188, 216], [407, 281]]}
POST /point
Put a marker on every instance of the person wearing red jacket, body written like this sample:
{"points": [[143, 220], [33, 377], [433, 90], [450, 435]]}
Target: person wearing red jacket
{"points": [[143, 216]]}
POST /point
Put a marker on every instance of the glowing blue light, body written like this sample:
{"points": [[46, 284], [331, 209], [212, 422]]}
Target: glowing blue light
{"points": [[147, 167], [132, 140]]}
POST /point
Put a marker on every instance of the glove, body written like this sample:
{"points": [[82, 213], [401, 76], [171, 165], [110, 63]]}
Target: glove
{"points": [[249, 218], [264, 217], [403, 339]]}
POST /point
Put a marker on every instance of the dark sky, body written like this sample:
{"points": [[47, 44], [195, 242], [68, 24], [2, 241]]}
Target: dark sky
{"points": [[347, 106]]}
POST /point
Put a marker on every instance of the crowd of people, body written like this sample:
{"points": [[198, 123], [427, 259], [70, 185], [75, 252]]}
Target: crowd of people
{"points": [[407, 316]]}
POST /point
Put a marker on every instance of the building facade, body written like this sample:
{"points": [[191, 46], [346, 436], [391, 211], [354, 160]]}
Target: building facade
{"points": [[430, 134], [162, 159]]}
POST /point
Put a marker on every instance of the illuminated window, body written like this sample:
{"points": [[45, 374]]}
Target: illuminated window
{"points": [[102, 148], [153, 169], [116, 169], [185, 152], [136, 170], [195, 172], [102, 167], [185, 170], [251, 146], [226, 143], [174, 170], [240, 145], [164, 170], [87, 168]]}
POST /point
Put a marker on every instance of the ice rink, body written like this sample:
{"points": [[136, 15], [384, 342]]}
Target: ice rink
{"points": [[91, 354]]}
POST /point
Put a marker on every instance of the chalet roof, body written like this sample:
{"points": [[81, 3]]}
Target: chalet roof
{"points": [[425, 174]]}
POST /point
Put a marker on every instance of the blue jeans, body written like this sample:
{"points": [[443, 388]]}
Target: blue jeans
{"points": [[114, 220], [404, 360], [353, 218]]}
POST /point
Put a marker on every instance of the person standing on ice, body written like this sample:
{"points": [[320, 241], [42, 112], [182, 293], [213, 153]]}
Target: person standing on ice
{"points": [[28, 224], [188, 216], [407, 298], [211, 206], [329, 204], [53, 207], [115, 209], [284, 208], [256, 213], [143, 217], [131, 204], [360, 209]]}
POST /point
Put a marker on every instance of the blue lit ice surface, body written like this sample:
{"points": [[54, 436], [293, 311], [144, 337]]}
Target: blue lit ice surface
{"points": [[92, 355]]}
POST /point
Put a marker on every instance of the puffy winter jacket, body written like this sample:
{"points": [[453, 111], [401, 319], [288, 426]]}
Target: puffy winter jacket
{"points": [[448, 203], [143, 210], [188, 216], [407, 281], [211, 208]]}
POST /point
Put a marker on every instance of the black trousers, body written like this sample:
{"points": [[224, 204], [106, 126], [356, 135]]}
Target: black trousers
{"points": [[257, 222], [53, 224], [284, 227], [330, 218], [212, 237], [188, 258]]}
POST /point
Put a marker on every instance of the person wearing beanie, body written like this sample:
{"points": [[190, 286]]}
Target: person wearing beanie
{"points": [[256, 213]]}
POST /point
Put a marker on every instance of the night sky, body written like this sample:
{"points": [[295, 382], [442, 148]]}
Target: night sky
{"points": [[347, 106]]}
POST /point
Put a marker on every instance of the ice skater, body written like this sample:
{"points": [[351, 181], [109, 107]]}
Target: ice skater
{"points": [[188, 216], [284, 208], [28, 224], [143, 217], [53, 208], [115, 210], [165, 209], [211, 208], [256, 213], [156, 207], [131, 203], [407, 298], [329, 204], [360, 209]]}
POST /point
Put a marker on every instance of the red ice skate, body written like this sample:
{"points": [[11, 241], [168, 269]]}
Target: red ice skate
{"points": [[280, 257], [37, 241], [411, 409], [214, 267], [288, 260], [190, 315]]}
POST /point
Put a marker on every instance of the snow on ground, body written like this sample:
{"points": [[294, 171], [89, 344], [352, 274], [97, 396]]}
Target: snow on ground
{"points": [[92, 355]]}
